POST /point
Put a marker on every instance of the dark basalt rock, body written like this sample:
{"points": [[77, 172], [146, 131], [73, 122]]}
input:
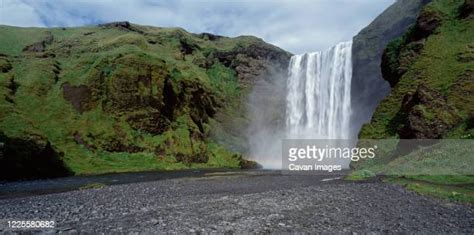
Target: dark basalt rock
{"points": [[80, 140], [389, 66], [35, 47], [254, 61], [192, 158], [138, 97], [426, 24], [118, 24], [203, 62], [397, 60], [5, 65], [428, 115], [198, 154], [122, 25], [33, 157], [187, 47], [116, 145], [13, 86], [466, 56], [248, 164], [152, 121], [204, 106], [41, 45], [401, 53], [170, 99], [79, 96], [462, 92], [135, 92], [129, 87], [146, 94], [368, 87], [209, 36], [256, 65], [467, 9]]}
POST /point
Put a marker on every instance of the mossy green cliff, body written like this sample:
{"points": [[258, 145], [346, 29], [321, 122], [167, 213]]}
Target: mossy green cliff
{"points": [[431, 73], [121, 97], [368, 88]]}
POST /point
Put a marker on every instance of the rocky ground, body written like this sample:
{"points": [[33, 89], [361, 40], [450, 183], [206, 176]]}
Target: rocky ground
{"points": [[255, 201]]}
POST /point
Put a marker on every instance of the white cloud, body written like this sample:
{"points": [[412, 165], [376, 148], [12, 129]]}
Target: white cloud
{"points": [[297, 26], [19, 14]]}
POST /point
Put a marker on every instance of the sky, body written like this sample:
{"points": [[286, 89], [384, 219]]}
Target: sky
{"points": [[297, 26]]}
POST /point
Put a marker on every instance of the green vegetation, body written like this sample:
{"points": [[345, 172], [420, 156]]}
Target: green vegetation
{"points": [[459, 193], [92, 186], [443, 169], [360, 175], [437, 65], [120, 97], [431, 71]]}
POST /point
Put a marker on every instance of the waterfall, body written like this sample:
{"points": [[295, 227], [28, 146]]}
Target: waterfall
{"points": [[317, 104], [318, 101]]}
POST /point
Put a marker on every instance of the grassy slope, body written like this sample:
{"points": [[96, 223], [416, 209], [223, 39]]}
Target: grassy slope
{"points": [[438, 67], [82, 55]]}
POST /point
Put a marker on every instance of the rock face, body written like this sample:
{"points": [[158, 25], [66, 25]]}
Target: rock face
{"points": [[79, 96], [5, 64], [29, 158], [430, 71], [41, 45], [262, 70], [427, 115], [121, 96], [122, 25], [467, 9], [368, 87], [426, 24], [254, 61], [401, 53]]}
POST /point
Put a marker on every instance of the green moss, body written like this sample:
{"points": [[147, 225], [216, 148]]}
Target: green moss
{"points": [[437, 67], [393, 53], [92, 186], [222, 158], [448, 192], [360, 175], [445, 179], [14, 39], [224, 80], [126, 124], [442, 170]]}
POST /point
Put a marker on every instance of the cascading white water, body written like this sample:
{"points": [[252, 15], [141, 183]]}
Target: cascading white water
{"points": [[318, 103]]}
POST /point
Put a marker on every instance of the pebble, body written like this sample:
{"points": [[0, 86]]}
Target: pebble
{"points": [[244, 204]]}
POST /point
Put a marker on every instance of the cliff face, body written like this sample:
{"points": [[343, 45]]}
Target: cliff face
{"points": [[368, 86], [431, 73], [430, 69], [122, 97]]}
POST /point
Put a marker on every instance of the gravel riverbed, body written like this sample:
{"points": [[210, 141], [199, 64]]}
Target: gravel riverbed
{"points": [[240, 203]]}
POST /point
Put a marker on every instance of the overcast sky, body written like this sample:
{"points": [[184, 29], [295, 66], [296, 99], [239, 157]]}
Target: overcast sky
{"points": [[294, 25]]}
